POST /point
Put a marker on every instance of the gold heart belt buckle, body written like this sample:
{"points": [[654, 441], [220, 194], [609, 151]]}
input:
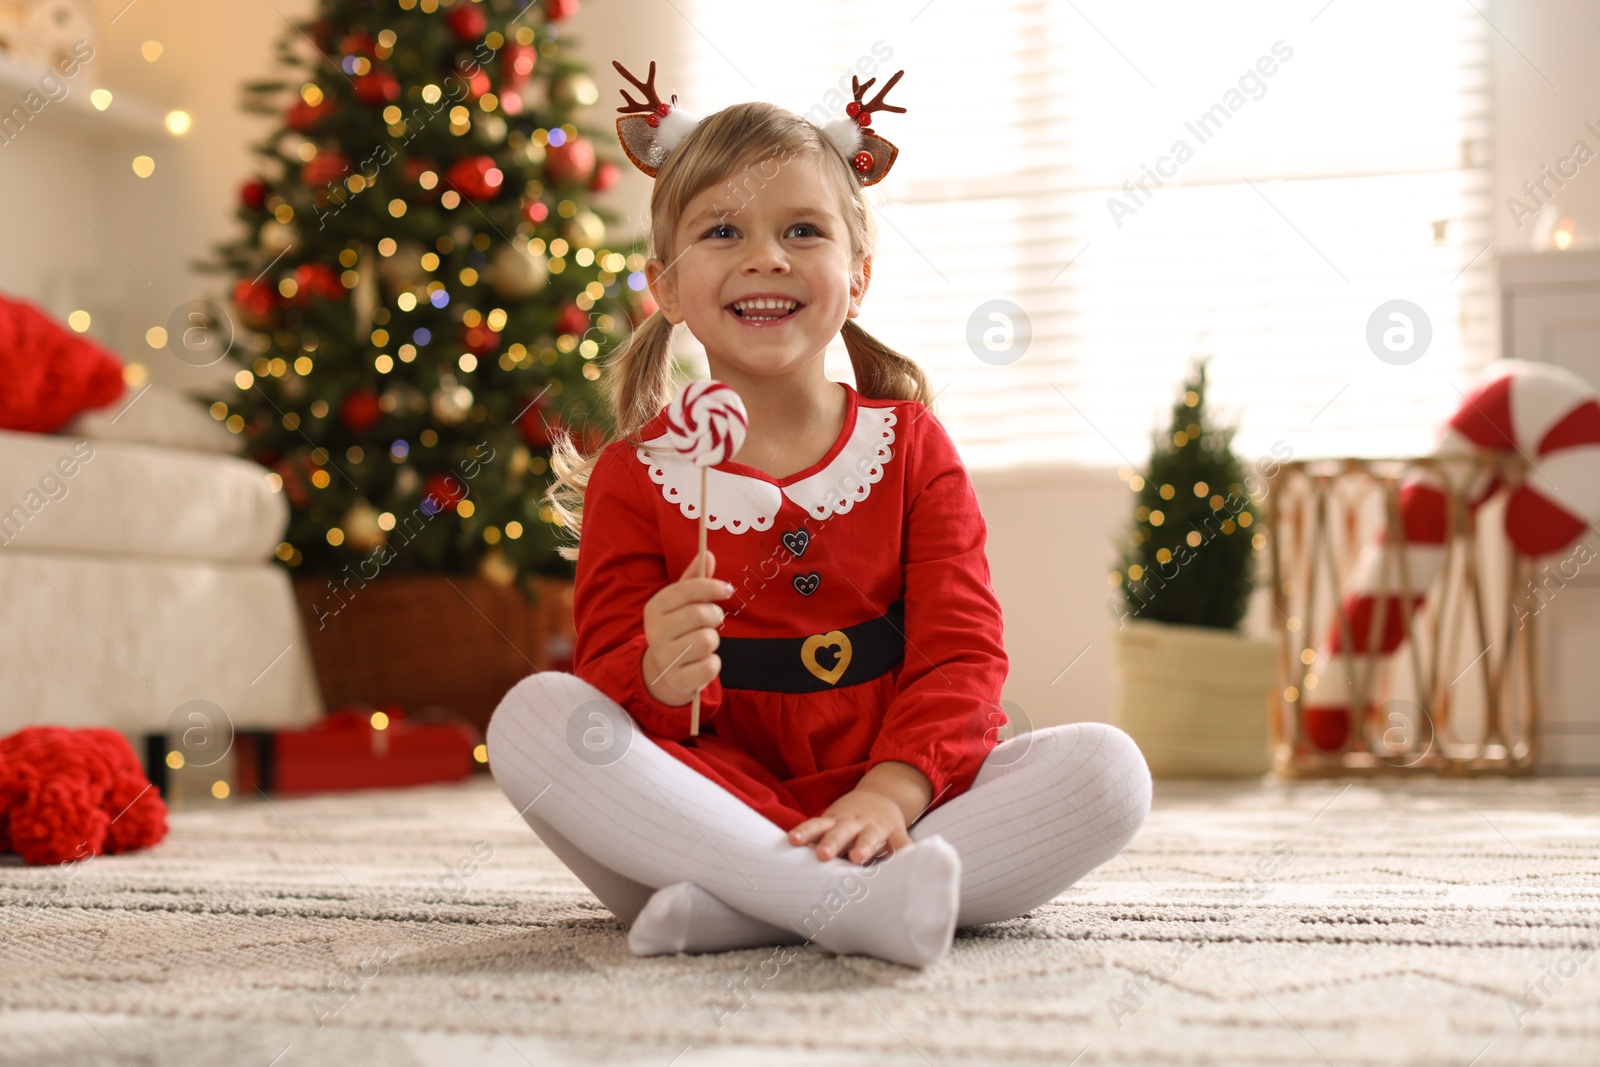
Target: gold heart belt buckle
{"points": [[857, 654], [832, 639]]}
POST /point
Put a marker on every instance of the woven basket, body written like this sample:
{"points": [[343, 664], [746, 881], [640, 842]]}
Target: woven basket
{"points": [[434, 644], [1196, 699]]}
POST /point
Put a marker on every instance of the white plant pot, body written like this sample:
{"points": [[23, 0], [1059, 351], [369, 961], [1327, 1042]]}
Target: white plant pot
{"points": [[1196, 699]]}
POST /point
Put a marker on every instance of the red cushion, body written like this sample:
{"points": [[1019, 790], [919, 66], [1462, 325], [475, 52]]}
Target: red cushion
{"points": [[49, 374]]}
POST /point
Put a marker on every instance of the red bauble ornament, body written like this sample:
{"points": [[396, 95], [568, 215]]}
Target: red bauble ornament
{"points": [[317, 279], [517, 61], [294, 485], [253, 194], [412, 171], [476, 177], [303, 116], [445, 490], [571, 319], [325, 168], [467, 21], [357, 44], [569, 163], [480, 340], [257, 304], [853, 108], [536, 427], [360, 410], [377, 87], [605, 176], [555, 10]]}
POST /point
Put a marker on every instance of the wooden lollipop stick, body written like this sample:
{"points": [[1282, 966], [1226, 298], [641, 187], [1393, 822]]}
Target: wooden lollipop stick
{"points": [[694, 714]]}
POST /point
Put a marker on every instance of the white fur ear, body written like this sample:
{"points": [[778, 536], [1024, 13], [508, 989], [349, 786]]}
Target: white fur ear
{"points": [[674, 127], [845, 133]]}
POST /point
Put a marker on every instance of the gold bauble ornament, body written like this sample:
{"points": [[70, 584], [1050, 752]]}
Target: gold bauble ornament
{"points": [[364, 297], [515, 274], [494, 567], [491, 130], [533, 97], [361, 529], [451, 402], [576, 89], [277, 237], [404, 269], [586, 230]]}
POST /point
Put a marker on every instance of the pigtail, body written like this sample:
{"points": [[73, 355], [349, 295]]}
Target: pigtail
{"points": [[881, 372], [637, 383]]}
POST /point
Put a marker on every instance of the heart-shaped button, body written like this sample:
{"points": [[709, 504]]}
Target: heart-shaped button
{"points": [[807, 583], [796, 541]]}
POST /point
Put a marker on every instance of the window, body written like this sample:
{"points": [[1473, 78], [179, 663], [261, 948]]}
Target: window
{"points": [[1299, 170]]}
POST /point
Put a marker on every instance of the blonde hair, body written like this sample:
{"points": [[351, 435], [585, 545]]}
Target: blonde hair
{"points": [[638, 378]]}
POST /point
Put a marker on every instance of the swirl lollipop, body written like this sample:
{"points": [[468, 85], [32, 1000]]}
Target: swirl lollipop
{"points": [[706, 424]]}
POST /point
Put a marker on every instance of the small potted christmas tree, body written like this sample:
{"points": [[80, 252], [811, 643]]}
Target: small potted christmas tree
{"points": [[1195, 691]]}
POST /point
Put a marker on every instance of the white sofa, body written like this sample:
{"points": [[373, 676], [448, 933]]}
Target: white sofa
{"points": [[137, 574]]}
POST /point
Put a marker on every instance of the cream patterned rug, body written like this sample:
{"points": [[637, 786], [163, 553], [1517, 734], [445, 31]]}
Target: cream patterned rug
{"points": [[1319, 923]]}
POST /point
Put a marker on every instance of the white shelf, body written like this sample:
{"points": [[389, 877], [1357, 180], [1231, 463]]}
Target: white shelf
{"points": [[127, 113], [1580, 266]]}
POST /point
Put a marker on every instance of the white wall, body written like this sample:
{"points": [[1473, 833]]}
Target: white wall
{"points": [[1051, 530], [1547, 85]]}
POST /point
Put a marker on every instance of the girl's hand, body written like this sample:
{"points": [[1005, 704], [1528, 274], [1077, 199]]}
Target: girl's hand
{"points": [[861, 823], [680, 625]]}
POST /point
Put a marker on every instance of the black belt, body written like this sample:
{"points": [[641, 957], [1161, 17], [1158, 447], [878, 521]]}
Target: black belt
{"points": [[812, 664]]}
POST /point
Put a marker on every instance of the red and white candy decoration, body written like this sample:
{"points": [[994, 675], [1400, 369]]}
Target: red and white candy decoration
{"points": [[1546, 413], [706, 424]]}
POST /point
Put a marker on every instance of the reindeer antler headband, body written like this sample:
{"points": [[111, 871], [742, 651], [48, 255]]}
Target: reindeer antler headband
{"points": [[650, 130]]}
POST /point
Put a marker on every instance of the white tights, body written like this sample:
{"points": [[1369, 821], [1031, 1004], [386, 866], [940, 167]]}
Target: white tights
{"points": [[692, 867]]}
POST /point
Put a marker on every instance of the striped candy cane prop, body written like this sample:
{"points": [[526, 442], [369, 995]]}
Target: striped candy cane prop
{"points": [[1547, 415]]}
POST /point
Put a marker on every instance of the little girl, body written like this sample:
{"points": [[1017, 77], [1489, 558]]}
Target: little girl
{"points": [[850, 671]]}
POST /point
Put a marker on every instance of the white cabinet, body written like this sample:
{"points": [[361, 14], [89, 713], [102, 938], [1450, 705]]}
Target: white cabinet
{"points": [[1550, 312]]}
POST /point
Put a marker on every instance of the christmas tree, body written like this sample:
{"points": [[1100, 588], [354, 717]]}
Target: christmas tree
{"points": [[424, 285], [1188, 557]]}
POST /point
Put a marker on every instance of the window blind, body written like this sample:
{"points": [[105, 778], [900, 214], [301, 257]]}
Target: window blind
{"points": [[1301, 165]]}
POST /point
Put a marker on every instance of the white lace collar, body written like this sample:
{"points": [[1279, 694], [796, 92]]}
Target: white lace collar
{"points": [[741, 502]]}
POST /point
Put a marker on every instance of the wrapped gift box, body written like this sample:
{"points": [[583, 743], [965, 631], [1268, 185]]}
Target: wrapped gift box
{"points": [[366, 749]]}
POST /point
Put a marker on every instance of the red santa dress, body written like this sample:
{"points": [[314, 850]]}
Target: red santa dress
{"points": [[863, 626]]}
